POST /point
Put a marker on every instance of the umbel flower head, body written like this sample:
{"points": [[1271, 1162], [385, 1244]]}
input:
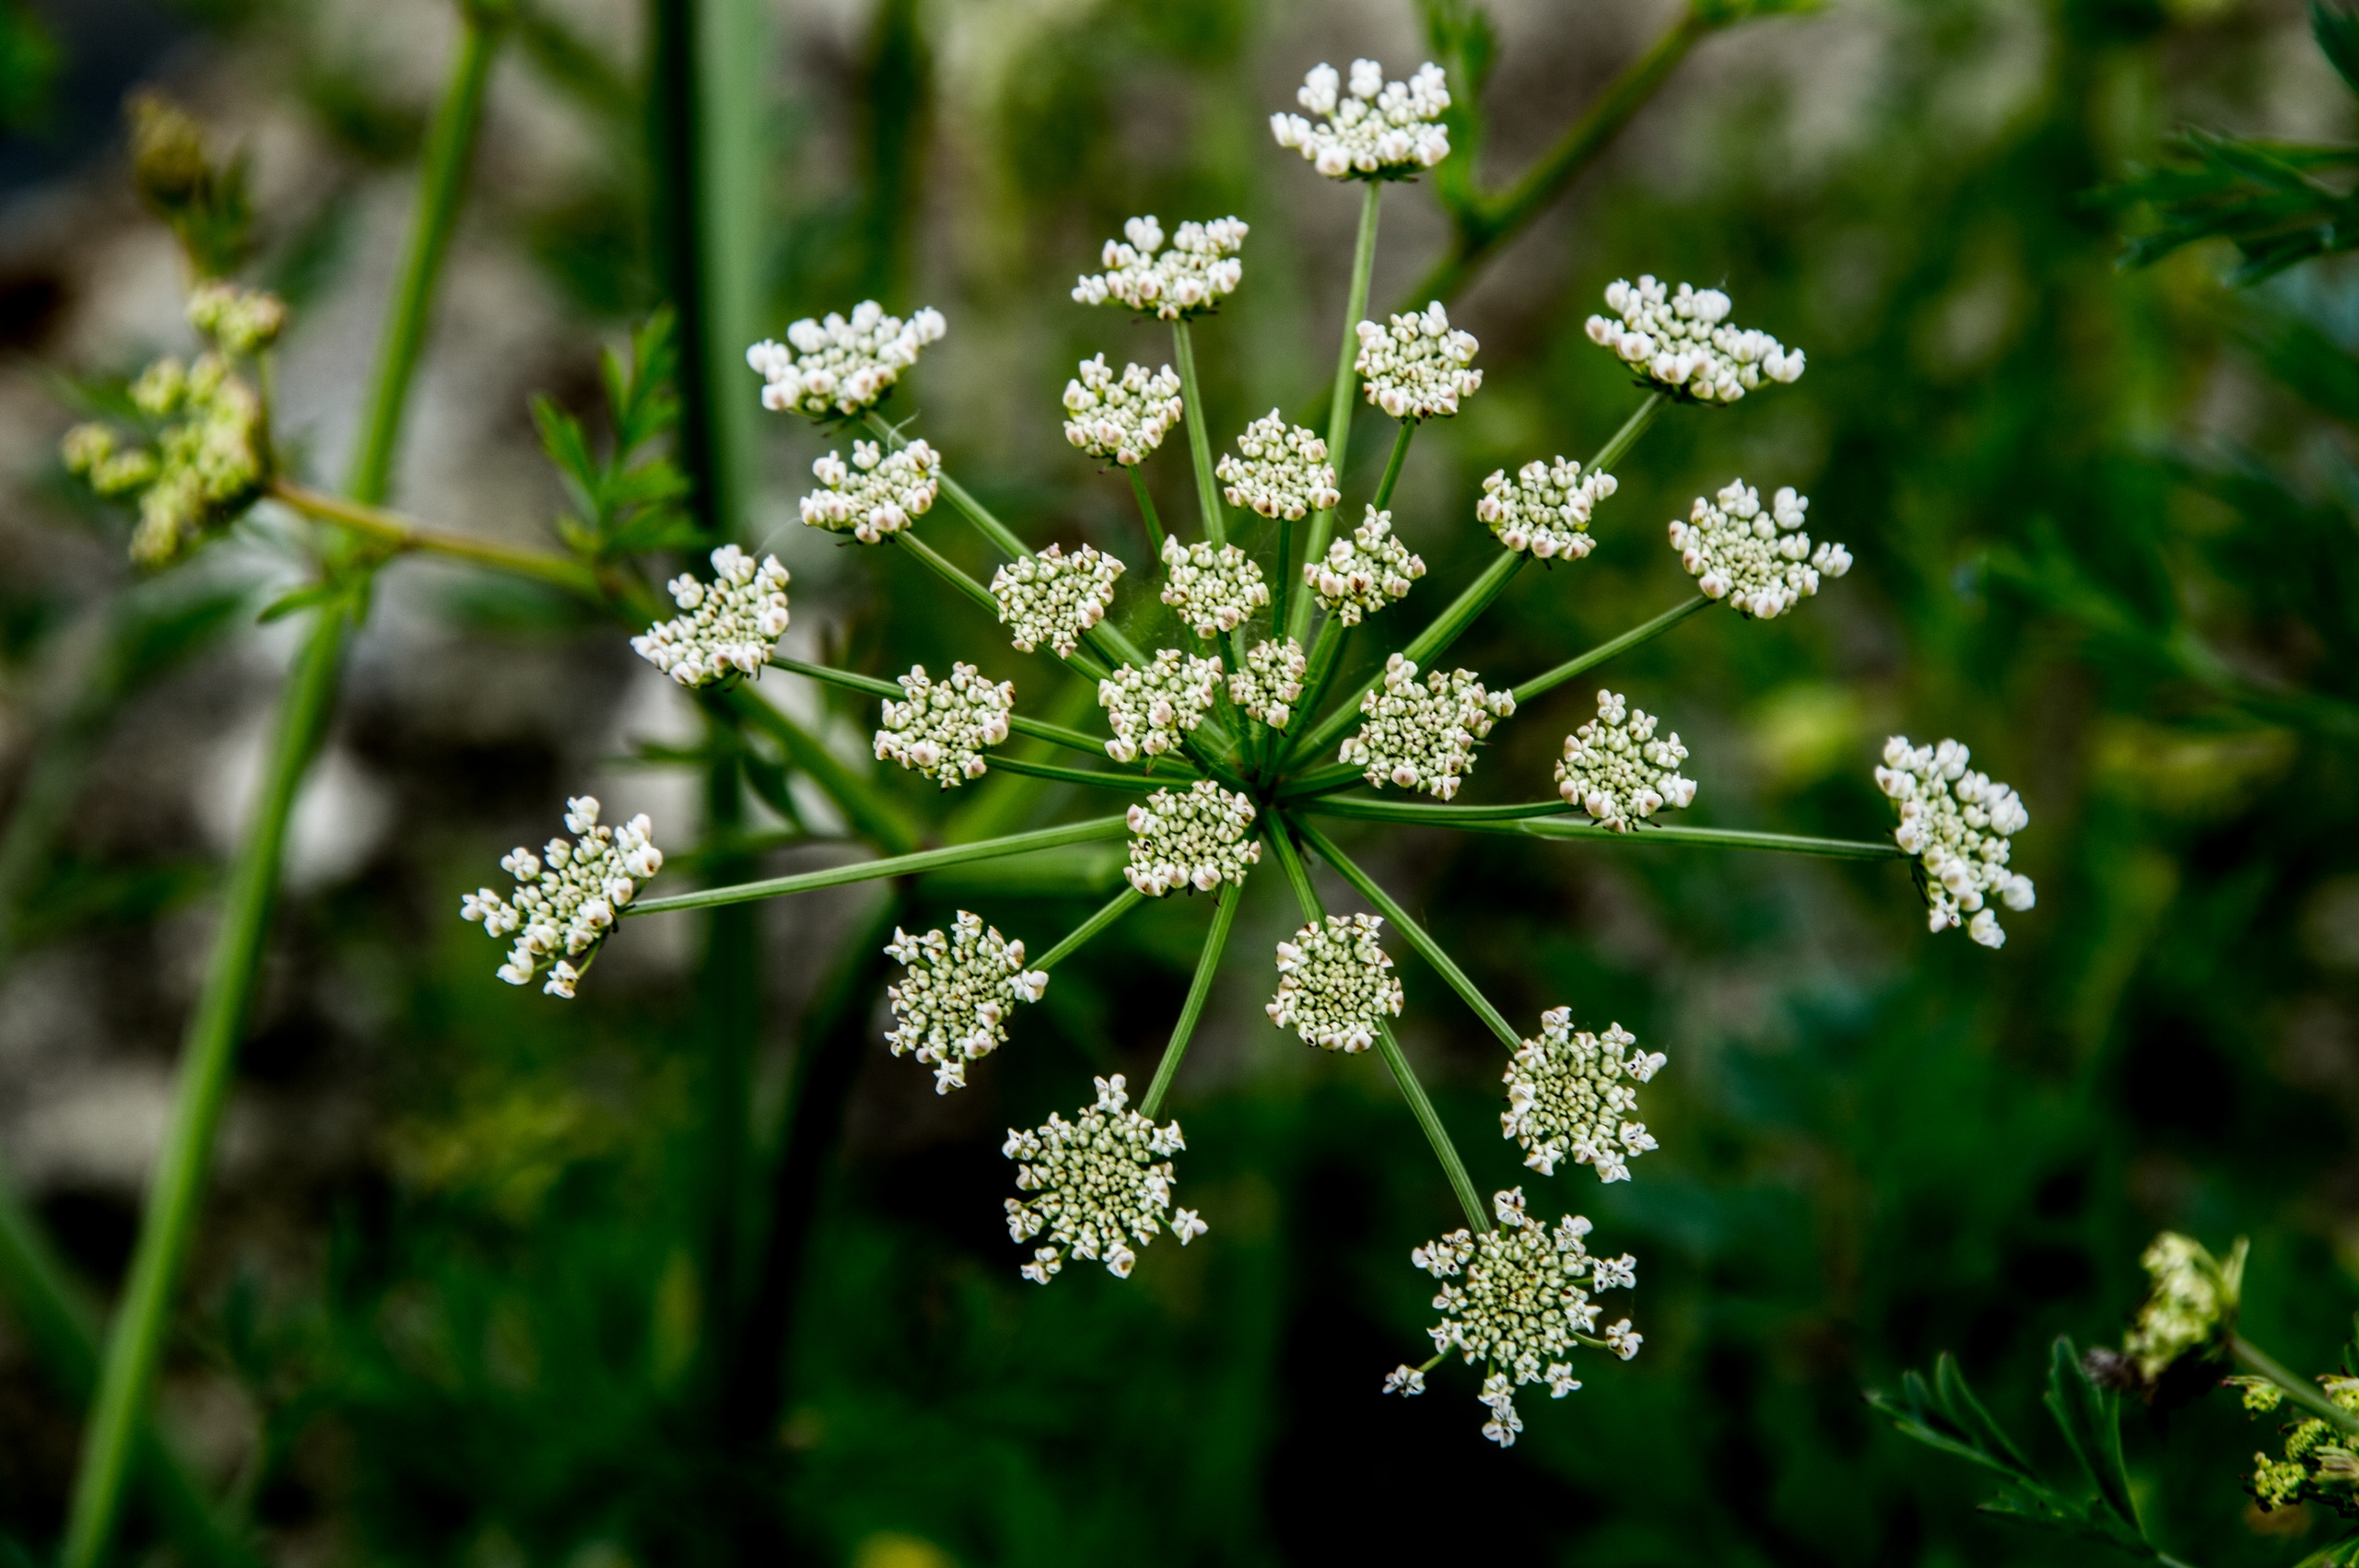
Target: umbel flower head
{"points": [[1615, 769], [244, 321], [1380, 130], [1198, 839], [1151, 710], [1544, 508], [1271, 682], [1122, 419], [1279, 470], [944, 728], [1422, 735], [1523, 1307], [838, 367], [1195, 274], [1420, 366], [1053, 597], [882, 493], [1336, 984], [731, 624], [567, 897], [1364, 572], [1569, 1093], [1099, 1182], [1681, 344], [951, 1005], [1215, 591], [2321, 1462], [1756, 560], [2190, 1304], [1957, 824]]}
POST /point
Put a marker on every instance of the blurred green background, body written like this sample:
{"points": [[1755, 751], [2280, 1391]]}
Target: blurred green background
{"points": [[447, 1305]]}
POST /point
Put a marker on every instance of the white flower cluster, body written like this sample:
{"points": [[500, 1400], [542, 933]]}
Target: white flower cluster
{"points": [[1053, 597], [944, 727], [2191, 1297], [1382, 130], [1271, 682], [1150, 709], [1365, 572], [838, 366], [732, 624], [881, 493], [1957, 824], [1615, 769], [1122, 419], [1544, 508], [1279, 470], [1677, 340], [1198, 271], [1103, 1180], [1213, 590], [1420, 735], [1568, 1093], [1336, 984], [567, 895], [952, 1004], [1755, 557], [1420, 366], [1198, 839], [1522, 1308]]}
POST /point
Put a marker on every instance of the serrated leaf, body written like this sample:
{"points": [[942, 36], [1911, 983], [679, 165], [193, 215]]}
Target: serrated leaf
{"points": [[2090, 1418], [562, 439], [1966, 1411]]}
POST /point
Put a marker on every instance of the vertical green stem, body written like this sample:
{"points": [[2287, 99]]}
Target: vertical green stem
{"points": [[135, 1344], [1339, 404], [1146, 510], [1393, 464], [1199, 990], [1324, 656], [1200, 441], [1283, 581]]}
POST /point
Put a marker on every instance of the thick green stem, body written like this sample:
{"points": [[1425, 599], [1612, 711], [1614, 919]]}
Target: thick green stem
{"points": [[1393, 463], [1582, 662], [893, 865], [2302, 1391], [449, 147], [1338, 402], [1717, 837], [1146, 510], [135, 1344], [1199, 990], [1083, 934], [401, 535], [1427, 948], [1200, 441]]}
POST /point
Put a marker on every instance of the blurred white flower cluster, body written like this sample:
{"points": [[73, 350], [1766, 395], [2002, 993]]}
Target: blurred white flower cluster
{"points": [[881, 493], [1957, 822], [1544, 508], [1197, 839], [1420, 735], [1615, 769], [1271, 682], [2191, 1298], [1279, 470], [1150, 709], [1125, 418], [1756, 559], [1678, 342], [244, 321], [1053, 597], [1196, 273], [1364, 572], [1336, 984], [952, 1004], [732, 622], [1213, 590], [841, 367], [210, 462], [1380, 130], [1101, 1181], [1420, 366], [567, 897], [1568, 1094], [944, 727]]}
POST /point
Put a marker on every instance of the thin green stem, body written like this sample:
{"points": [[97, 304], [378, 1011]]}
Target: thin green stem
{"points": [[892, 865], [449, 147], [1100, 777], [1324, 655], [1420, 813], [1393, 463], [1200, 442], [1297, 875], [1322, 781], [1582, 662], [984, 518], [1146, 510], [2302, 1391], [1199, 990], [1619, 444], [946, 570], [1087, 931], [135, 1344], [1338, 402], [401, 535], [871, 812], [870, 685], [1419, 938], [1283, 581], [1715, 838]]}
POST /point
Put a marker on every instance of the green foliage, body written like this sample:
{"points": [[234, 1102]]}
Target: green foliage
{"points": [[631, 501], [29, 59], [204, 202]]}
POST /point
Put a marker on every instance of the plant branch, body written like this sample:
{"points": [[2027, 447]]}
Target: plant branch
{"points": [[1421, 814], [1720, 837], [1199, 990], [1393, 464], [1200, 442], [1146, 510], [2255, 1360], [1121, 904], [401, 535], [1339, 402], [1581, 663], [1100, 777], [892, 865], [868, 809]]}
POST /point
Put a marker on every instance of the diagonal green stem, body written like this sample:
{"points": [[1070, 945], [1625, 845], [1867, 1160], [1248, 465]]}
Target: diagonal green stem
{"points": [[1325, 654], [1581, 663], [1146, 510], [1115, 907], [1420, 814], [1717, 837], [1393, 463], [1200, 441], [1419, 938], [892, 865], [1338, 402], [1101, 778], [1199, 990], [1322, 781], [870, 811], [1037, 728], [2255, 1360], [400, 534]]}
